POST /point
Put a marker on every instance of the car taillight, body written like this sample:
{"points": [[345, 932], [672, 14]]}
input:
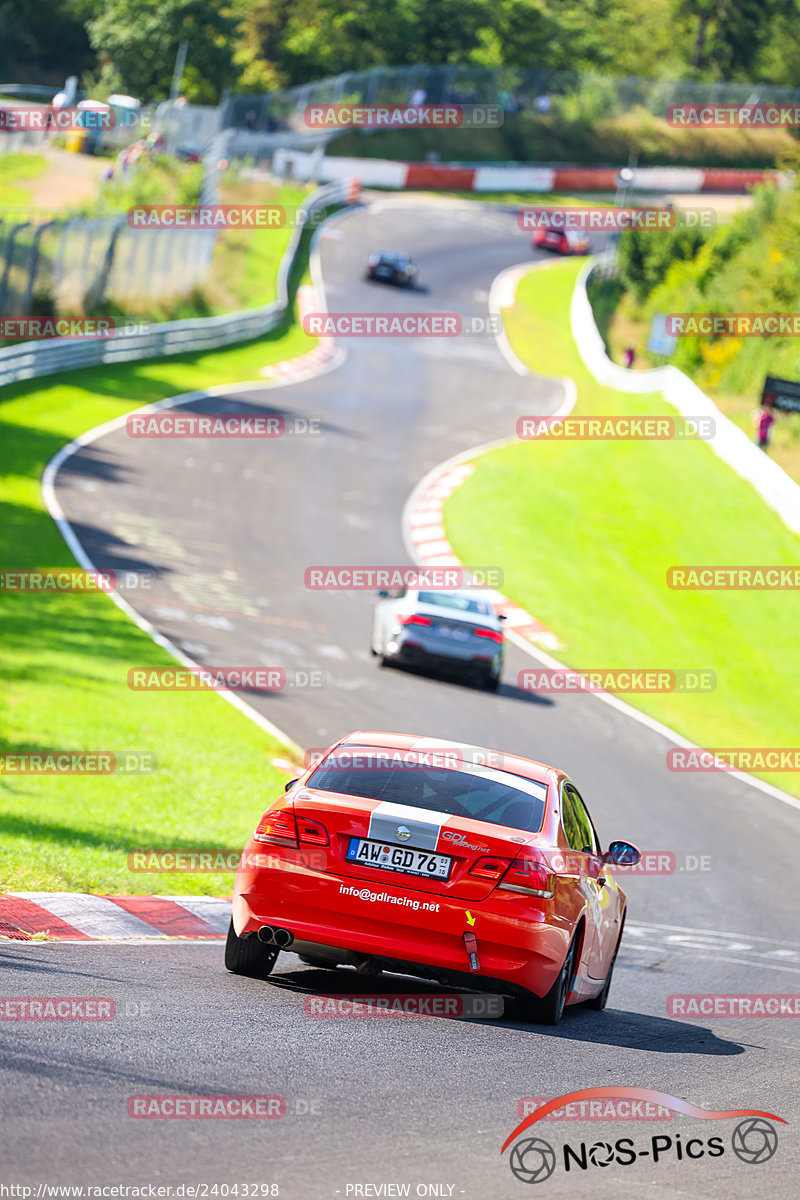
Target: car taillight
{"points": [[494, 635], [312, 831], [414, 619], [529, 875], [277, 826], [489, 868]]}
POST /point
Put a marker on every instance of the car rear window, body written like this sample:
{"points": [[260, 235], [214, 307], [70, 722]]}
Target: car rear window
{"points": [[464, 603], [402, 777]]}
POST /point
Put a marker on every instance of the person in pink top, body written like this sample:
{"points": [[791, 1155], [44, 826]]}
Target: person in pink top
{"points": [[764, 419]]}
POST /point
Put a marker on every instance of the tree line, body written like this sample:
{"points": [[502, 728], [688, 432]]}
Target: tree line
{"points": [[259, 45]]}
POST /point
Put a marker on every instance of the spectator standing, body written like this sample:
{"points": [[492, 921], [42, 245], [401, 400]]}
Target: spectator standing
{"points": [[764, 418]]}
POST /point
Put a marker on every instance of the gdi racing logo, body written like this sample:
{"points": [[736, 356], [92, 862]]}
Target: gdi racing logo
{"points": [[533, 1160]]}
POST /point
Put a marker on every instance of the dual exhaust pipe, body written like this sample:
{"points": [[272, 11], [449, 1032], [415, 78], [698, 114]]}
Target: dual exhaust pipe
{"points": [[270, 935]]}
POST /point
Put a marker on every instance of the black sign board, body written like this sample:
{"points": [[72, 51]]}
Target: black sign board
{"points": [[782, 394]]}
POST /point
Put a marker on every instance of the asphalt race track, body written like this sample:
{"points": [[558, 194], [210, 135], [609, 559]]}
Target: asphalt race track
{"points": [[230, 527]]}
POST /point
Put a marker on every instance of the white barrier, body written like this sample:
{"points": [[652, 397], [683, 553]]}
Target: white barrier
{"points": [[730, 442], [518, 179], [30, 360]]}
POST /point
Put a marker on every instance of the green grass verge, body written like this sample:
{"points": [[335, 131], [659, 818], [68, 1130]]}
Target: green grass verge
{"points": [[589, 529], [65, 659], [15, 171]]}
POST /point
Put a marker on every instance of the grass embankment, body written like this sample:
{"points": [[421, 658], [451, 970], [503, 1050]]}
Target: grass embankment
{"points": [[745, 265], [590, 528], [583, 140], [65, 659]]}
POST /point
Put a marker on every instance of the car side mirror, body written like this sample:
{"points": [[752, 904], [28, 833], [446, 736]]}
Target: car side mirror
{"points": [[290, 784], [622, 854], [502, 617]]}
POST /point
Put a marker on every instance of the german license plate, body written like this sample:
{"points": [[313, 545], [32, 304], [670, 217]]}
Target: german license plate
{"points": [[398, 858]]}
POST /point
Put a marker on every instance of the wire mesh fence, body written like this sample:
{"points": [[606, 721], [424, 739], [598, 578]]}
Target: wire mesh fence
{"points": [[51, 264], [567, 93]]}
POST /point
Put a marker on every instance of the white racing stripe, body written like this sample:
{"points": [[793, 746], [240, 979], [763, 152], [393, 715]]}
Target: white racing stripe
{"points": [[425, 825]]}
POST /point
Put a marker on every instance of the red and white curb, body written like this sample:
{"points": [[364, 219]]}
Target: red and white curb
{"points": [[432, 549], [423, 521], [77, 917], [324, 356]]}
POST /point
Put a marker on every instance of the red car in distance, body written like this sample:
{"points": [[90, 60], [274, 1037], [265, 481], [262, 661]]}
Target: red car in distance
{"points": [[563, 241], [416, 856]]}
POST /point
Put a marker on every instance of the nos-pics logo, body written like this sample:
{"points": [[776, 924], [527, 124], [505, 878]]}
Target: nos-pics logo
{"points": [[533, 1159]]}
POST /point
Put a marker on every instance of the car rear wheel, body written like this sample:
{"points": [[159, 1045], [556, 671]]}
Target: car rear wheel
{"points": [[249, 956], [550, 1008]]}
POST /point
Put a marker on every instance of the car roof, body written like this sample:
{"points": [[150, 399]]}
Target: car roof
{"points": [[394, 255], [513, 764]]}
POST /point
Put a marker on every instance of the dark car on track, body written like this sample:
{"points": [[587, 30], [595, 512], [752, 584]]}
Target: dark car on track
{"points": [[391, 266]]}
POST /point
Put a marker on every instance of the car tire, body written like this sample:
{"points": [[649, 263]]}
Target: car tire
{"points": [[598, 1002], [491, 682], [549, 1009], [249, 956]]}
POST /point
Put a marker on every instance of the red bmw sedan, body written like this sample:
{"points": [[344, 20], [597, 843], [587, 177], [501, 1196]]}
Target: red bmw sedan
{"points": [[436, 859]]}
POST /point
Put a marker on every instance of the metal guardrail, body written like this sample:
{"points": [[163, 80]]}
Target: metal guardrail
{"points": [[31, 360]]}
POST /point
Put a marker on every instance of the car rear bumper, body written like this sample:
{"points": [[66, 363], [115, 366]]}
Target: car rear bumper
{"points": [[517, 944], [455, 659]]}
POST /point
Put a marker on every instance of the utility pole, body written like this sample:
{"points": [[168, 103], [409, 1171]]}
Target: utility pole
{"points": [[180, 63]]}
